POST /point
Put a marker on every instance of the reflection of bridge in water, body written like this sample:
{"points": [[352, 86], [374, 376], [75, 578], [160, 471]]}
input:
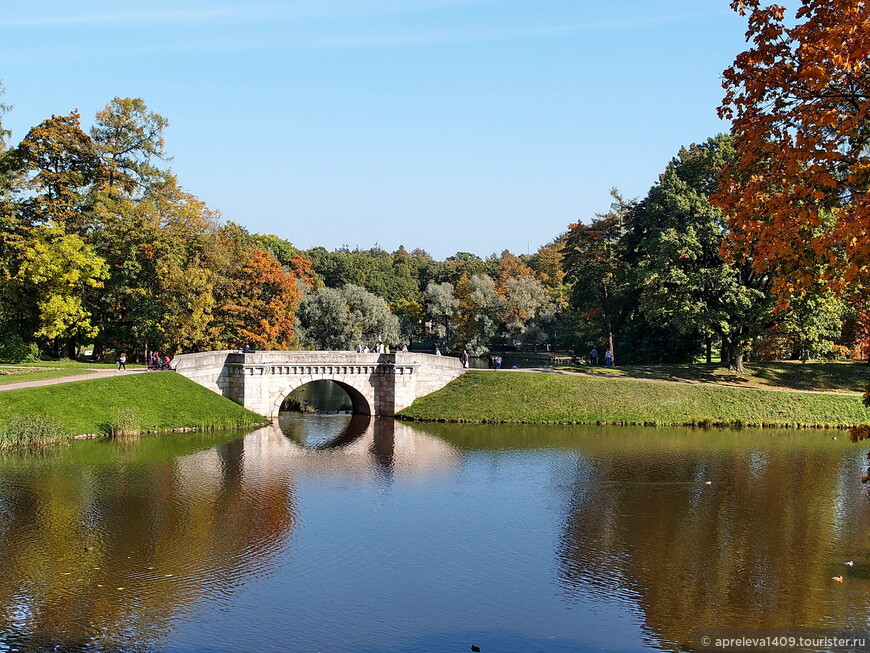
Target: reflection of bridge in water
{"points": [[366, 446], [377, 384]]}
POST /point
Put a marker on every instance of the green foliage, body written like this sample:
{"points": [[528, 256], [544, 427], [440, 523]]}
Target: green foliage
{"points": [[339, 320], [526, 311], [58, 164], [677, 233], [808, 329], [129, 138], [13, 349], [441, 307], [598, 270], [61, 267]]}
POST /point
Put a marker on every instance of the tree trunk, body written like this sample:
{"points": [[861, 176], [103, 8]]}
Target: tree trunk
{"points": [[709, 344], [735, 356], [607, 323]]}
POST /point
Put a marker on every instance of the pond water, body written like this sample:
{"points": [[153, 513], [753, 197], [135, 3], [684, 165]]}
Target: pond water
{"points": [[364, 535]]}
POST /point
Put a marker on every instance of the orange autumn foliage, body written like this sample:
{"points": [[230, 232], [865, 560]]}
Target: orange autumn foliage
{"points": [[267, 300], [798, 195]]}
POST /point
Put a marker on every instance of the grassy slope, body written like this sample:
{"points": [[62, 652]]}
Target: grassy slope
{"points": [[835, 375], [160, 401], [537, 397]]}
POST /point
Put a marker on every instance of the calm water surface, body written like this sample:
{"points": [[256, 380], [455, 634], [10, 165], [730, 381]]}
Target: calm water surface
{"points": [[363, 535]]}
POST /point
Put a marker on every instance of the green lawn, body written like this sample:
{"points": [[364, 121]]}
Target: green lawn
{"points": [[155, 401], [17, 373], [843, 376], [535, 397]]}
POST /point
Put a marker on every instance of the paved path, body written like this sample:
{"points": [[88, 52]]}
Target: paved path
{"points": [[95, 374]]}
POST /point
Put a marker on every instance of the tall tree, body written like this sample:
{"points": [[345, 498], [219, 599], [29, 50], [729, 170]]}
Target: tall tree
{"points": [[687, 287], [477, 316], [441, 307], [59, 165], [61, 267], [4, 109], [526, 310], [798, 193], [265, 304], [129, 139], [595, 265], [332, 319]]}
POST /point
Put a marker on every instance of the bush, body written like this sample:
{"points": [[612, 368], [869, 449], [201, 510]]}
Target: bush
{"points": [[30, 431], [13, 349]]}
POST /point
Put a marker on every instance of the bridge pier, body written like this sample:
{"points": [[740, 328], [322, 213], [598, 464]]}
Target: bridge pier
{"points": [[378, 384]]}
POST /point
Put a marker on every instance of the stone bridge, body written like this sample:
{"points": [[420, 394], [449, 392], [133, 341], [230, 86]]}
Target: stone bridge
{"points": [[377, 384]]}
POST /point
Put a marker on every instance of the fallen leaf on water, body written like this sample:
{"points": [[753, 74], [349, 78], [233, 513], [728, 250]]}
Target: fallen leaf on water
{"points": [[839, 579]]}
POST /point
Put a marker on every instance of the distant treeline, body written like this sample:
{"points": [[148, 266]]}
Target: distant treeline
{"points": [[101, 246]]}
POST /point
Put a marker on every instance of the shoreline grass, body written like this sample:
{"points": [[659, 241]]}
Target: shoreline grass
{"points": [[30, 431], [541, 398], [138, 403]]}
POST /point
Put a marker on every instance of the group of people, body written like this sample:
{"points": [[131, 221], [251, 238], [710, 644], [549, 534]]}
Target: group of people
{"points": [[154, 359], [157, 361], [380, 348], [593, 358]]}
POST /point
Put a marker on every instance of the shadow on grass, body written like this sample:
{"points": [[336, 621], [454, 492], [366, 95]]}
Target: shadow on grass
{"points": [[839, 375], [698, 373], [793, 375]]}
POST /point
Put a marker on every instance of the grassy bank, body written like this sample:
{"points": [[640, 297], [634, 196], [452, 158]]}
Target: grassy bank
{"points": [[534, 397], [138, 402], [844, 376]]}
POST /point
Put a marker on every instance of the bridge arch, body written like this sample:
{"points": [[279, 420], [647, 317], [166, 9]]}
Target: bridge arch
{"points": [[361, 404]]}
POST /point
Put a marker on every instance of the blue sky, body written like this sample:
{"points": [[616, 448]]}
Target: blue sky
{"points": [[451, 125]]}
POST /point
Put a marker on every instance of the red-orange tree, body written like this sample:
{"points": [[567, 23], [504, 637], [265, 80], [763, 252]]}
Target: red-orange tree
{"points": [[798, 194], [266, 301]]}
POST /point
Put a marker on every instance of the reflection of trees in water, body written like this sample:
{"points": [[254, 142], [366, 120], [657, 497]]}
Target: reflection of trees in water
{"points": [[164, 535], [322, 396], [756, 549]]}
